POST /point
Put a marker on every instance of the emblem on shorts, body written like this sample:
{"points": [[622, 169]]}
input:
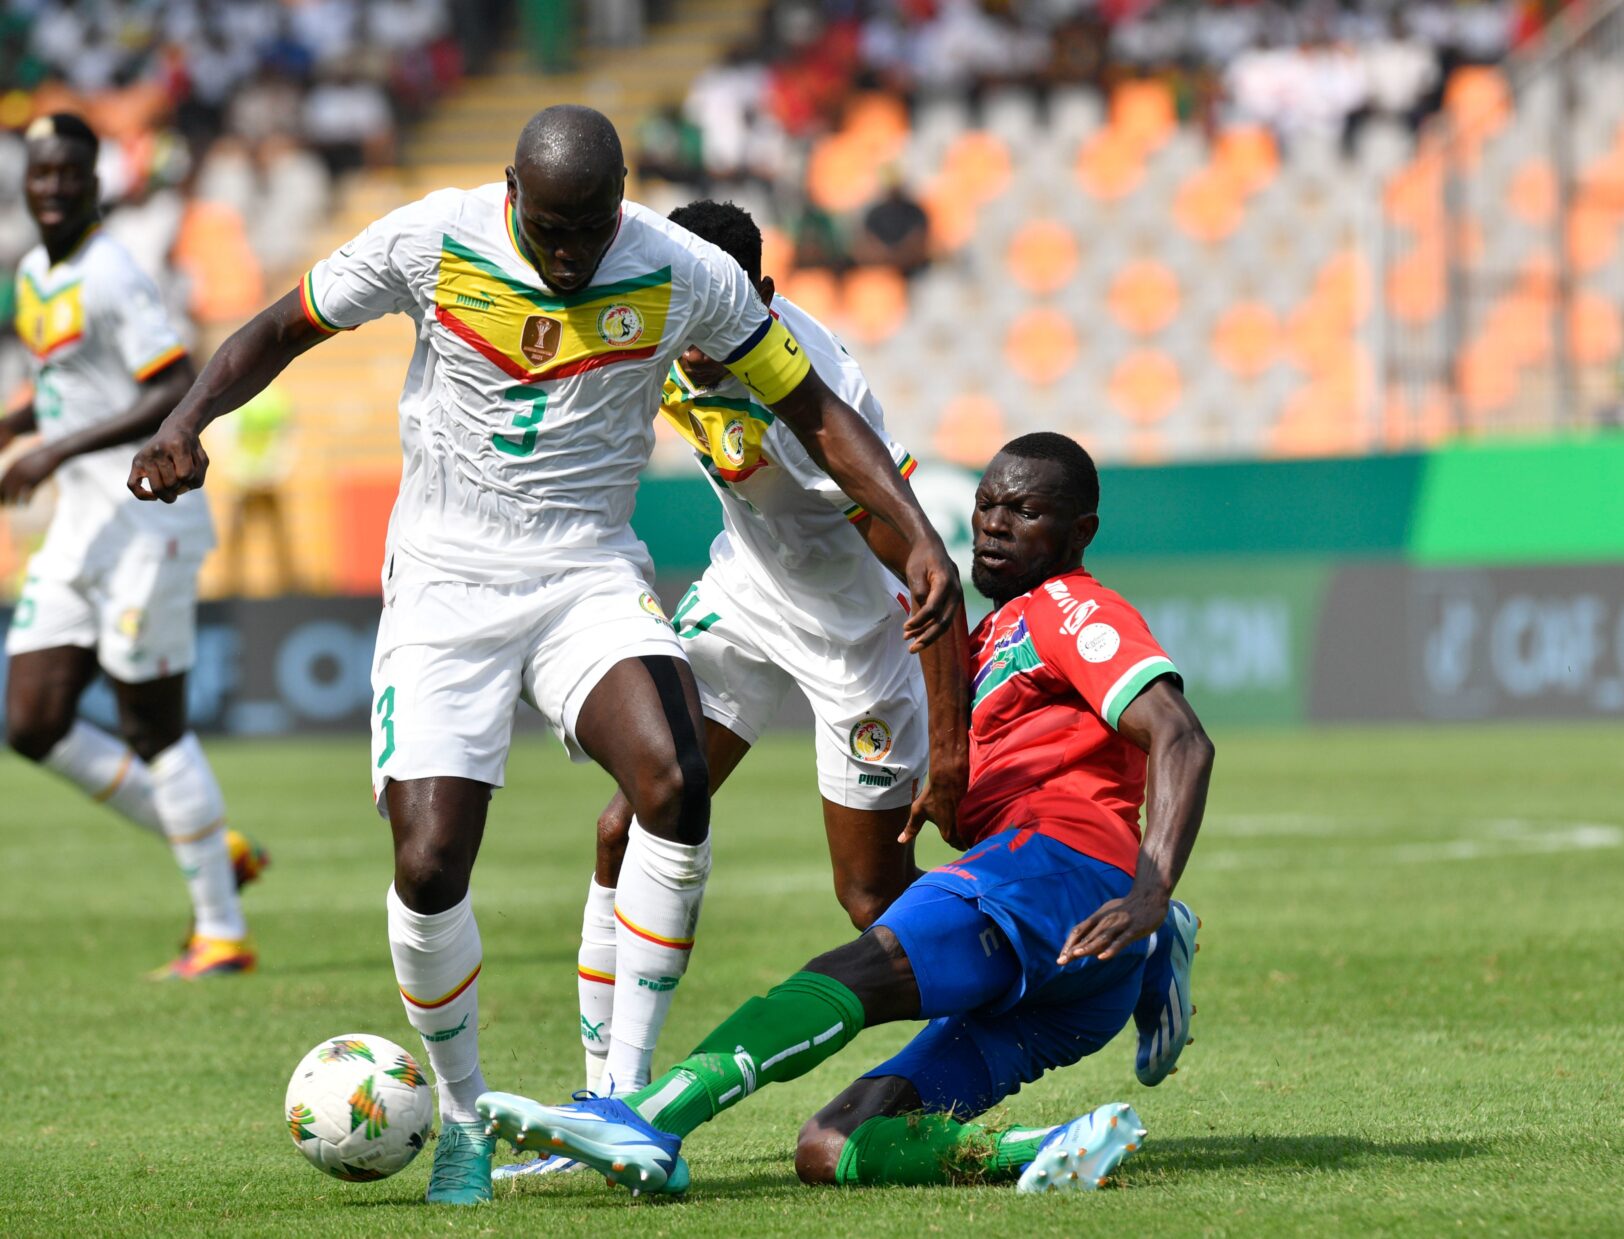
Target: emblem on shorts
{"points": [[733, 442], [1098, 642], [132, 623], [870, 739], [539, 341], [651, 604], [620, 325]]}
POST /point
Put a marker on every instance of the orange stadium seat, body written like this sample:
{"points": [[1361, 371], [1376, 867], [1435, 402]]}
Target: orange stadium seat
{"points": [[212, 248], [1208, 206], [1532, 192], [1246, 156], [816, 291], [951, 214], [1418, 418], [1246, 338], [1142, 112], [1343, 285], [977, 165], [1109, 166], [1144, 297], [1415, 285], [1518, 327], [839, 174], [1043, 256], [777, 253], [1592, 234], [1321, 418], [1040, 345], [1594, 336], [1478, 100], [875, 303], [1145, 385], [970, 429], [1486, 378], [1414, 198], [878, 123]]}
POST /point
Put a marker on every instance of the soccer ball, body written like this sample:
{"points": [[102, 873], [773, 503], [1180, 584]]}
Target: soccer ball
{"points": [[359, 1107]]}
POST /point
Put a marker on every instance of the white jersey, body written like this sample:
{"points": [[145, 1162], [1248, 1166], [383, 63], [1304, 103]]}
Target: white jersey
{"points": [[95, 329], [527, 414], [787, 533]]}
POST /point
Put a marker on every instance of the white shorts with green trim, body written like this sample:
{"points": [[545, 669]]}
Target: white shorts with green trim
{"points": [[454, 659], [872, 732], [138, 611]]}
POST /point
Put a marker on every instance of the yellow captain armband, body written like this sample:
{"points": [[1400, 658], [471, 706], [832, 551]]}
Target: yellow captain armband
{"points": [[771, 362]]}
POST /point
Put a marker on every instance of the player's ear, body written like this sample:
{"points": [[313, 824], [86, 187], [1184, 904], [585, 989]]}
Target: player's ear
{"points": [[766, 288], [512, 183], [1084, 530]]}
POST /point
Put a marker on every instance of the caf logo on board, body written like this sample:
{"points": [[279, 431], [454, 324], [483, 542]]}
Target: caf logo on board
{"points": [[539, 343], [620, 325]]}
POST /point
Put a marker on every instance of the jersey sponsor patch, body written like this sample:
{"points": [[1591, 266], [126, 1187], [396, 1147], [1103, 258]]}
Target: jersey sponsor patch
{"points": [[870, 739], [1098, 643]]}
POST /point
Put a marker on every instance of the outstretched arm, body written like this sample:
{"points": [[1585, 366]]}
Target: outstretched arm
{"points": [[153, 402], [174, 462], [945, 663], [845, 447], [1161, 722]]}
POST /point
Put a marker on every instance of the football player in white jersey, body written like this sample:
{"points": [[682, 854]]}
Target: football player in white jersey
{"points": [[115, 584], [548, 311], [800, 592]]}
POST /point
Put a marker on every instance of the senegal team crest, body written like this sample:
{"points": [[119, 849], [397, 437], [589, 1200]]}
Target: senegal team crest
{"points": [[651, 604], [870, 739], [539, 343], [733, 443], [620, 324]]}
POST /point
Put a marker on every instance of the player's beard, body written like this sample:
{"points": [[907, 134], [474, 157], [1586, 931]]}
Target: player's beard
{"points": [[1000, 589]]}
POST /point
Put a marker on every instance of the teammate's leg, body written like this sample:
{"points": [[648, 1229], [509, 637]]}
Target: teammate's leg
{"points": [[596, 961], [188, 803], [642, 723], [871, 869]]}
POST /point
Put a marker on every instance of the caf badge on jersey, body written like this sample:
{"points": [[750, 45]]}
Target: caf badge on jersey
{"points": [[620, 325], [1098, 643], [870, 739], [539, 340]]}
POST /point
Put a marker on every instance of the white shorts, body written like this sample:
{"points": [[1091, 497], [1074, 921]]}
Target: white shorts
{"points": [[872, 734], [138, 611], [453, 659]]}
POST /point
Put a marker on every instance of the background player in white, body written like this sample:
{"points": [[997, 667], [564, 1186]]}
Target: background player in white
{"points": [[548, 311], [115, 584], [793, 597]]}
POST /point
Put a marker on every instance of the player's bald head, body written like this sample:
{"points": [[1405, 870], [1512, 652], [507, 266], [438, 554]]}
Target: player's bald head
{"points": [[569, 146]]}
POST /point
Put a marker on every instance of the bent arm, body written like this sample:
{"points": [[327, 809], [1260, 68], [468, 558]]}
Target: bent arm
{"points": [[19, 422], [174, 461], [155, 400], [845, 447], [945, 664], [1178, 770]]}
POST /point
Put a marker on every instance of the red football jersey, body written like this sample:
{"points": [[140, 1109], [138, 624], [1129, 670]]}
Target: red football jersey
{"points": [[1051, 673]]}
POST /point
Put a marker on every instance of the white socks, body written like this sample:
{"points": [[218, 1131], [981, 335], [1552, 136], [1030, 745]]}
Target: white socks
{"points": [[188, 802], [106, 770], [437, 959], [595, 980], [657, 906]]}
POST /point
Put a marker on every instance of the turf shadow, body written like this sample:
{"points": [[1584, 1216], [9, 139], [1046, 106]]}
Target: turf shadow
{"points": [[1201, 1154]]}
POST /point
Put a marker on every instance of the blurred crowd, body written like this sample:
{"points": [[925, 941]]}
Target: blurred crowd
{"points": [[1317, 68]]}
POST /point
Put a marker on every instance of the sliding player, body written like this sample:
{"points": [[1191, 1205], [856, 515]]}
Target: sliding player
{"points": [[548, 310], [1027, 953], [114, 587], [800, 592]]}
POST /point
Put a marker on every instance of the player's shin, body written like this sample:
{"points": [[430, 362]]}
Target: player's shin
{"points": [[188, 802], [768, 1040], [662, 883], [595, 980], [107, 771], [922, 1149], [437, 958]]}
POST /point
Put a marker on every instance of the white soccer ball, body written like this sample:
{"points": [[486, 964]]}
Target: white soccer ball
{"points": [[359, 1107]]}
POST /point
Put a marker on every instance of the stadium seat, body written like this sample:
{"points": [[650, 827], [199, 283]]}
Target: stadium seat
{"points": [[1208, 206], [1144, 297], [1246, 339], [1144, 386], [1042, 256], [1247, 156], [1040, 345], [970, 429], [874, 304], [212, 248], [816, 291], [1109, 166], [1142, 113]]}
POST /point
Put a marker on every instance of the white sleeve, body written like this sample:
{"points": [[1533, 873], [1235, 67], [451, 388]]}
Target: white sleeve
{"points": [[126, 303], [365, 278], [728, 315]]}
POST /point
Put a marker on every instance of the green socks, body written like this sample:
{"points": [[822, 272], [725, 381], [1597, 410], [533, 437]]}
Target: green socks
{"points": [[921, 1149], [803, 1021]]}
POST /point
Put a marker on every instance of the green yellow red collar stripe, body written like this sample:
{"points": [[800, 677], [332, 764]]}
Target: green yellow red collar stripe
{"points": [[676, 944], [522, 249], [307, 302], [162, 361]]}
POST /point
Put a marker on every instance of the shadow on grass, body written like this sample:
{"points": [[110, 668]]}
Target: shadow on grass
{"points": [[549, 959], [1200, 1154]]}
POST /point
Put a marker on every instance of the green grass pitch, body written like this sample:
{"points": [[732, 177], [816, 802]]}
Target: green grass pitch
{"points": [[1410, 989]]}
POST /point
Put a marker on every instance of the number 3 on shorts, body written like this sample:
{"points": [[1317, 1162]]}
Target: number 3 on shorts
{"points": [[386, 707]]}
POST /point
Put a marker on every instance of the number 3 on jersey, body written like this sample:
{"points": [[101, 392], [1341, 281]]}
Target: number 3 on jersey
{"points": [[526, 421]]}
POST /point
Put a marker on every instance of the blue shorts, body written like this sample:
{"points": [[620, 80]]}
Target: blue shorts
{"points": [[982, 934]]}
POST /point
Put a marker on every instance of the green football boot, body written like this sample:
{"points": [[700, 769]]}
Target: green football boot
{"points": [[462, 1165]]}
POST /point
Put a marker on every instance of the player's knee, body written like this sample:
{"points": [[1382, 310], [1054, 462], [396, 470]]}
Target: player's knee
{"points": [[431, 873], [864, 903], [817, 1153], [34, 733], [146, 739], [673, 800]]}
